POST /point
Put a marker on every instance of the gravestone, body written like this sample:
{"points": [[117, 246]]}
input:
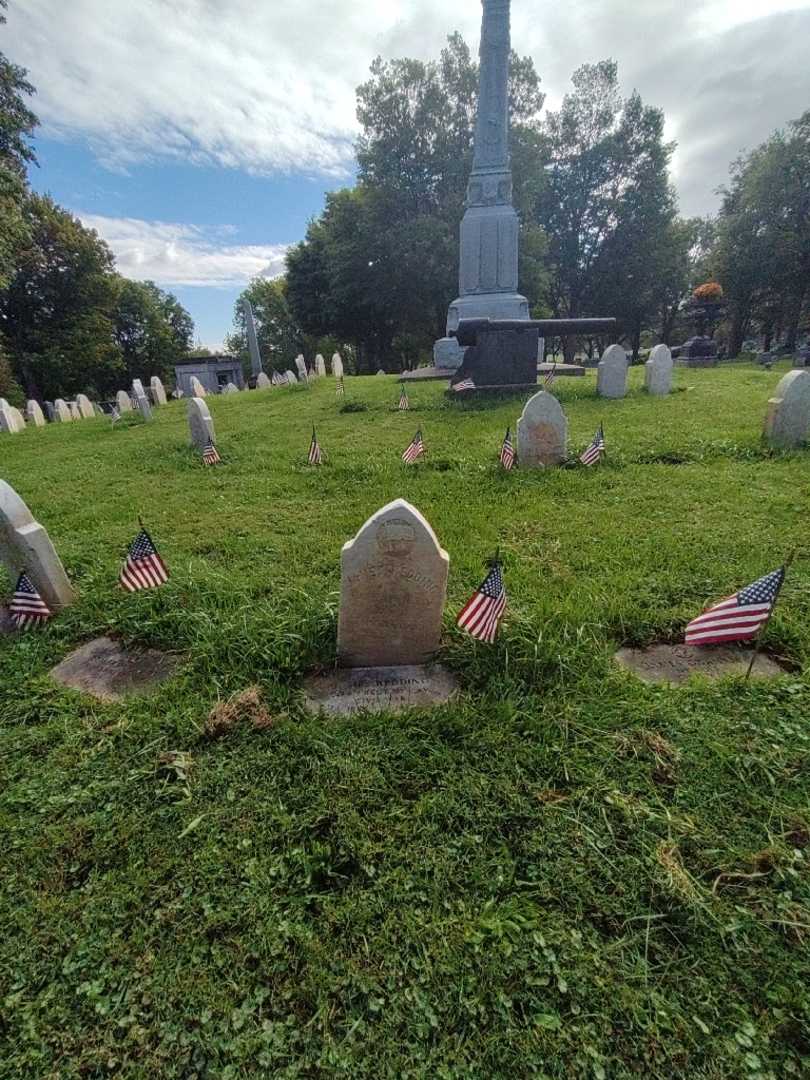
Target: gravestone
{"points": [[380, 371], [542, 432], [787, 423], [263, 381], [34, 413], [392, 591], [111, 671], [231, 389], [137, 389], [61, 412], [25, 545], [300, 363], [658, 371], [337, 365], [4, 404], [380, 689], [85, 407], [74, 411], [196, 388], [611, 376], [9, 422], [143, 406], [157, 390], [51, 412], [291, 376], [320, 366], [676, 663], [123, 402], [200, 424], [19, 419]]}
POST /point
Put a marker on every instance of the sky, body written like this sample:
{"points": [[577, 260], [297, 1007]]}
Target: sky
{"points": [[198, 137]]}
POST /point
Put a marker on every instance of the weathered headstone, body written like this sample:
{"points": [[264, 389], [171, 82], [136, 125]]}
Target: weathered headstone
{"points": [[542, 432], [4, 404], [143, 406], [787, 423], [200, 424], [291, 377], [109, 670], [25, 545], [337, 364], [611, 376], [676, 663], [34, 413], [393, 586], [85, 407], [196, 388], [380, 371], [231, 388], [320, 366], [74, 410], [9, 422], [263, 381], [300, 363], [157, 390], [61, 411], [123, 401], [658, 371], [18, 418], [137, 388]]}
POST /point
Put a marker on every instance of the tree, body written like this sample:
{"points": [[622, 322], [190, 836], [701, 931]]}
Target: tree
{"points": [[606, 202], [151, 329]]}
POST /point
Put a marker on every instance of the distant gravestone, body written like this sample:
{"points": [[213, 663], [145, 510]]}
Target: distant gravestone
{"points": [[300, 363], [611, 375], [25, 545], [200, 424], [291, 378], [137, 389], [380, 371], [61, 412], [392, 591], [542, 432], [337, 365], [4, 404], [658, 371], [123, 402], [9, 422], [196, 388], [19, 419], [157, 390], [787, 423], [34, 413], [85, 407], [143, 406], [74, 411], [320, 366], [263, 381], [231, 388]]}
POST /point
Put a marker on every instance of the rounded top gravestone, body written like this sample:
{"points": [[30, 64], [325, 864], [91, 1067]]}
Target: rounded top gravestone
{"points": [[123, 401], [25, 545], [392, 590], [611, 375], [231, 388], [542, 432], [300, 363], [787, 423], [320, 365], [137, 388], [263, 381], [34, 413], [196, 387], [61, 411], [85, 406], [658, 371], [200, 424], [291, 376], [157, 390], [337, 364], [9, 421]]}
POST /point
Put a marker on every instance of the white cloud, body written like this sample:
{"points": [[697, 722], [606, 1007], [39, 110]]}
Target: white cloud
{"points": [[268, 85], [172, 254]]}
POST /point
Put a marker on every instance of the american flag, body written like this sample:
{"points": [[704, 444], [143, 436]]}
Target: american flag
{"points": [[507, 458], [144, 568], [465, 384], [414, 449], [315, 453], [593, 452], [482, 613], [210, 455], [115, 416], [27, 608], [740, 616], [548, 382], [403, 398], [340, 389]]}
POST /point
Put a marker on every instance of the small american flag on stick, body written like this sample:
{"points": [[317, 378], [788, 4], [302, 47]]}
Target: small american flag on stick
{"points": [[414, 449], [27, 608], [340, 389], [210, 454], [738, 617], [507, 457], [403, 399], [315, 456], [144, 568], [278, 380], [548, 382], [465, 384], [481, 615], [596, 448]]}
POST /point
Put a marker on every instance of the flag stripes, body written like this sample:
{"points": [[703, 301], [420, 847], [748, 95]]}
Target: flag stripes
{"points": [[414, 449], [27, 608], [594, 451], [507, 456], [738, 617], [481, 615], [144, 568]]}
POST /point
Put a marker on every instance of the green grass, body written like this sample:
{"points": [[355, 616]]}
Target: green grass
{"points": [[566, 873]]}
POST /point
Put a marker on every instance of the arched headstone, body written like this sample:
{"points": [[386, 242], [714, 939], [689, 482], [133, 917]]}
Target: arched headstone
{"points": [[611, 376], [263, 381], [157, 390], [300, 363], [34, 413], [787, 423], [231, 388], [196, 388], [542, 432], [337, 365], [123, 402], [61, 411], [9, 422], [137, 388], [658, 371], [320, 365], [143, 406], [291, 376], [392, 590], [25, 545], [85, 406], [200, 424]]}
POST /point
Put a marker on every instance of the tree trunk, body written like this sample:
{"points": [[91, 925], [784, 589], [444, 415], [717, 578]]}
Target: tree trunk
{"points": [[739, 323]]}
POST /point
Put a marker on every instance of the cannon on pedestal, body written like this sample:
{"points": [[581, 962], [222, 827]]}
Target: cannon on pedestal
{"points": [[501, 354]]}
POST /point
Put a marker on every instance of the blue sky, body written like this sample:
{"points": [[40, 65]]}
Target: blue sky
{"points": [[199, 136]]}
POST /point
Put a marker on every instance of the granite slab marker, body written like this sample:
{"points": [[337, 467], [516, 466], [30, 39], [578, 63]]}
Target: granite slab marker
{"points": [[85, 406], [200, 424], [8, 421], [157, 391], [263, 381], [123, 402], [61, 411], [542, 432], [337, 365], [301, 365], [34, 413], [611, 376], [25, 545], [143, 406], [787, 422], [658, 371], [320, 366]]}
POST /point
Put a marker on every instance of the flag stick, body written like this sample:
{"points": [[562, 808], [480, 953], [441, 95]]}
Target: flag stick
{"points": [[602, 433], [758, 645]]}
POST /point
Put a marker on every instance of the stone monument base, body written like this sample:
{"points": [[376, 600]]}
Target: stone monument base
{"points": [[487, 306], [379, 689]]}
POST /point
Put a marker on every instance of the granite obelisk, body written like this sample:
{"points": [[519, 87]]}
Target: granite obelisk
{"points": [[488, 264], [253, 341]]}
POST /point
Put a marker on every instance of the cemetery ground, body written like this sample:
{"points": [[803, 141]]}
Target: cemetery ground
{"points": [[566, 872]]}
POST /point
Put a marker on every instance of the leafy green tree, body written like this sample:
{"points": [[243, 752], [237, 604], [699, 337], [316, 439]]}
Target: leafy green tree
{"points": [[151, 328]]}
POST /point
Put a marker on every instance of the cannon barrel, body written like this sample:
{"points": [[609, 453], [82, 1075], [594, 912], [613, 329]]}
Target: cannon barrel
{"points": [[468, 329]]}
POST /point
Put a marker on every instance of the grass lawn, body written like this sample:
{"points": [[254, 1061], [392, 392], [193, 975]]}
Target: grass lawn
{"points": [[565, 873]]}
